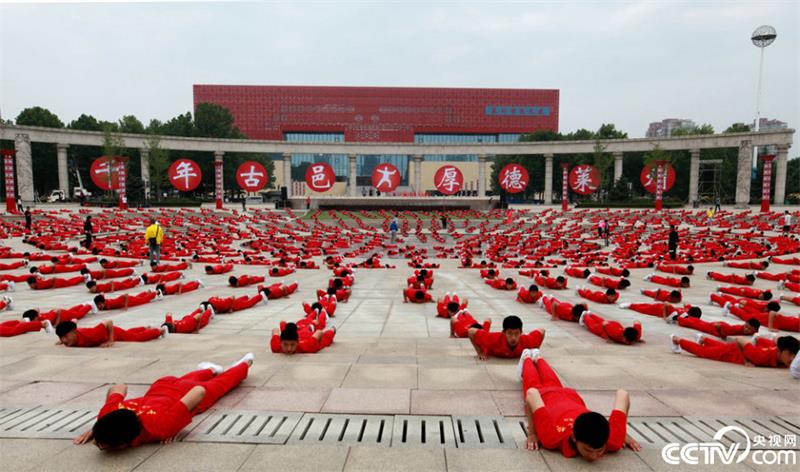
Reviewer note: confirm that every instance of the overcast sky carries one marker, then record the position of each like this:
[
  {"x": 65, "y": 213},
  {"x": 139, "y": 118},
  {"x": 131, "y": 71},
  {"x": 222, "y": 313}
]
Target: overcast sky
[{"x": 619, "y": 62}]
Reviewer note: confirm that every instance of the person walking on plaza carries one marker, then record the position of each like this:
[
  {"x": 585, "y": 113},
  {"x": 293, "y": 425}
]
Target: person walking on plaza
[
  {"x": 606, "y": 230},
  {"x": 716, "y": 205},
  {"x": 393, "y": 227},
  {"x": 154, "y": 236},
  {"x": 28, "y": 218},
  {"x": 673, "y": 242},
  {"x": 87, "y": 231},
  {"x": 787, "y": 221}
]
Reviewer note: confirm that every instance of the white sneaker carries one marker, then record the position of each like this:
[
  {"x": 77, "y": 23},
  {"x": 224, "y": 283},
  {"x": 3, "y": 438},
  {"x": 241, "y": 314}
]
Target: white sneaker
[
  {"x": 247, "y": 358},
  {"x": 210, "y": 365},
  {"x": 540, "y": 301},
  {"x": 535, "y": 354},
  {"x": 676, "y": 348},
  {"x": 672, "y": 318},
  {"x": 648, "y": 277},
  {"x": 11, "y": 285},
  {"x": 164, "y": 332},
  {"x": 580, "y": 320},
  {"x": 625, "y": 305},
  {"x": 699, "y": 337},
  {"x": 526, "y": 353},
  {"x": 782, "y": 284},
  {"x": 641, "y": 290},
  {"x": 48, "y": 327},
  {"x": 755, "y": 339},
  {"x": 264, "y": 298},
  {"x": 159, "y": 294},
  {"x": 94, "y": 306},
  {"x": 9, "y": 303},
  {"x": 726, "y": 309},
  {"x": 202, "y": 285}
]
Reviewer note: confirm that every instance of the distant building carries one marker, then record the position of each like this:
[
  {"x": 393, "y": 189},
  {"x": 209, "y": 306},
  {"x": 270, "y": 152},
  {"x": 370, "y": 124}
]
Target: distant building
[
  {"x": 765, "y": 124},
  {"x": 664, "y": 128}
]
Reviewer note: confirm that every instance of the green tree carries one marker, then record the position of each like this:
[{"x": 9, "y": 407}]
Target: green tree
[
  {"x": 85, "y": 123},
  {"x": 130, "y": 124},
  {"x": 610, "y": 131},
  {"x": 705, "y": 128},
  {"x": 214, "y": 121},
  {"x": 738, "y": 128},
  {"x": 602, "y": 161},
  {"x": 158, "y": 163},
  {"x": 38, "y": 116}
]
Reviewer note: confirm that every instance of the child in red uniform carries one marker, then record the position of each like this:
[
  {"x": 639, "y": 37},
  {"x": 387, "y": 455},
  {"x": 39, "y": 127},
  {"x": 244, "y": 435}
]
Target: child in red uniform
[
  {"x": 760, "y": 353},
  {"x": 166, "y": 408},
  {"x": 462, "y": 322},
  {"x": 748, "y": 292},
  {"x": 449, "y": 305},
  {"x": 508, "y": 343},
  {"x": 191, "y": 323},
  {"x": 615, "y": 271},
  {"x": 160, "y": 278},
  {"x": 231, "y": 304},
  {"x": 16, "y": 327},
  {"x": 563, "y": 310},
  {"x": 675, "y": 269},
  {"x": 611, "y": 330},
  {"x": 218, "y": 269},
  {"x": 606, "y": 282},
  {"x": 558, "y": 283},
  {"x": 327, "y": 304},
  {"x": 661, "y": 310},
  {"x": 559, "y": 419},
  {"x": 168, "y": 267},
  {"x": 106, "y": 264},
  {"x": 103, "y": 334},
  {"x": 101, "y": 302},
  {"x": 732, "y": 278},
  {"x": 280, "y": 271},
  {"x": 500, "y": 284},
  {"x": 415, "y": 295},
  {"x": 58, "y": 315},
  {"x": 113, "y": 285},
  {"x": 304, "y": 339},
  {"x": 108, "y": 273},
  {"x": 720, "y": 329},
  {"x": 682, "y": 282},
  {"x": 669, "y": 296},
  {"x": 38, "y": 283},
  {"x": 279, "y": 290},
  {"x": 529, "y": 295},
  {"x": 790, "y": 299},
  {"x": 609, "y": 296},
  {"x": 244, "y": 280},
  {"x": 178, "y": 287},
  {"x": 577, "y": 272}
]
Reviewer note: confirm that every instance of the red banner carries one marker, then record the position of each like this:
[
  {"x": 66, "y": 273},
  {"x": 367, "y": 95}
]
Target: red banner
[
  {"x": 320, "y": 177},
  {"x": 448, "y": 179},
  {"x": 766, "y": 183},
  {"x": 218, "y": 185},
  {"x": 584, "y": 179},
  {"x": 105, "y": 171},
  {"x": 123, "y": 181},
  {"x": 251, "y": 176},
  {"x": 8, "y": 168},
  {"x": 648, "y": 178},
  {"x": 385, "y": 177},
  {"x": 185, "y": 175},
  {"x": 513, "y": 178},
  {"x": 564, "y": 184}
]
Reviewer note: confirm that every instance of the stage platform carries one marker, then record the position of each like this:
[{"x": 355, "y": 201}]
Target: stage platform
[{"x": 396, "y": 203}]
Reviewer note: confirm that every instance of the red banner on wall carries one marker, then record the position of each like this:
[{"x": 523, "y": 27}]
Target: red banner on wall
[
  {"x": 8, "y": 168},
  {"x": 564, "y": 185},
  {"x": 584, "y": 179},
  {"x": 448, "y": 179},
  {"x": 385, "y": 177},
  {"x": 320, "y": 177},
  {"x": 123, "y": 181},
  {"x": 185, "y": 175},
  {"x": 252, "y": 176},
  {"x": 766, "y": 183},
  {"x": 513, "y": 178}
]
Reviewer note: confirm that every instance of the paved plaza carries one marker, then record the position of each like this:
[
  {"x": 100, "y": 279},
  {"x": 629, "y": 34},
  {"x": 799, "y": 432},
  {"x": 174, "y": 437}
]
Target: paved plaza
[{"x": 390, "y": 359}]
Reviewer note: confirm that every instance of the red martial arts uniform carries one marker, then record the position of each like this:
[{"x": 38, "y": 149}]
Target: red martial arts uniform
[
  {"x": 68, "y": 314},
  {"x": 160, "y": 411},
  {"x": 717, "y": 328},
  {"x": 781, "y": 322},
  {"x": 230, "y": 304},
  {"x": 729, "y": 278},
  {"x": 661, "y": 295},
  {"x": 761, "y": 355},
  {"x": 280, "y": 271},
  {"x": 118, "y": 264},
  {"x": 605, "y": 282},
  {"x": 410, "y": 295},
  {"x": 553, "y": 421},
  {"x": 17, "y": 327},
  {"x": 674, "y": 269},
  {"x": 615, "y": 271},
  {"x": 171, "y": 267},
  {"x": 549, "y": 282},
  {"x": 12, "y": 266},
  {"x": 189, "y": 323},
  {"x": 306, "y": 343},
  {"x": 97, "y": 335},
  {"x": 464, "y": 322},
  {"x": 576, "y": 272},
  {"x": 115, "y": 285},
  {"x": 596, "y": 296},
  {"x": 244, "y": 280},
  {"x": 219, "y": 269},
  {"x": 500, "y": 284},
  {"x": 563, "y": 309},
  {"x": 110, "y": 273},
  {"x": 612, "y": 330},
  {"x": 748, "y": 292},
  {"x": 116, "y": 303},
  {"x": 158, "y": 278},
  {"x": 441, "y": 307},
  {"x": 655, "y": 309},
  {"x": 279, "y": 290},
  {"x": 56, "y": 282},
  {"x": 495, "y": 344},
  {"x": 525, "y": 296},
  {"x": 181, "y": 287},
  {"x": 668, "y": 281}
]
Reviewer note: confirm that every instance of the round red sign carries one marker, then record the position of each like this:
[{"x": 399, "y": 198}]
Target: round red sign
[
  {"x": 385, "y": 177},
  {"x": 185, "y": 175},
  {"x": 513, "y": 178},
  {"x": 105, "y": 172},
  {"x": 448, "y": 180},
  {"x": 584, "y": 179},
  {"x": 252, "y": 176},
  {"x": 320, "y": 177},
  {"x": 648, "y": 177}
]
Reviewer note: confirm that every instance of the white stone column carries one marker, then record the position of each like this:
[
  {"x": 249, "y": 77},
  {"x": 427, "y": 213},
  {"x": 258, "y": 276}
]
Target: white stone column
[
  {"x": 780, "y": 174},
  {"x": 63, "y": 175},
  {"x": 287, "y": 173},
  {"x": 417, "y": 173},
  {"x": 22, "y": 143},
  {"x": 351, "y": 161},
  {"x": 482, "y": 175},
  {"x": 743, "y": 174},
  {"x": 548, "y": 179},
  {"x": 617, "y": 165},
  {"x": 694, "y": 175},
  {"x": 144, "y": 160}
]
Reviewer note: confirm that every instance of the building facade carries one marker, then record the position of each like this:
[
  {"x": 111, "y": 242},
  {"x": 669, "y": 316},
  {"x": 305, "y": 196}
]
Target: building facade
[
  {"x": 664, "y": 128},
  {"x": 382, "y": 114}
]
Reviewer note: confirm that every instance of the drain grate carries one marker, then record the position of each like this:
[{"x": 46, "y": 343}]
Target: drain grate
[
  {"x": 483, "y": 431},
  {"x": 423, "y": 431},
  {"x": 249, "y": 427},
  {"x": 323, "y": 429},
  {"x": 44, "y": 423},
  {"x": 659, "y": 431}
]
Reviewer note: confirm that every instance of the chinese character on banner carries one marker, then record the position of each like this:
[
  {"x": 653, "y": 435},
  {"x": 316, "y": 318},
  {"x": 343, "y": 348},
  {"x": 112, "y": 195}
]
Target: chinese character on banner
[
  {"x": 8, "y": 171},
  {"x": 185, "y": 175},
  {"x": 766, "y": 182},
  {"x": 584, "y": 179},
  {"x": 320, "y": 177},
  {"x": 513, "y": 178},
  {"x": 252, "y": 176},
  {"x": 649, "y": 176},
  {"x": 448, "y": 180},
  {"x": 105, "y": 172},
  {"x": 119, "y": 163},
  {"x": 385, "y": 177}
]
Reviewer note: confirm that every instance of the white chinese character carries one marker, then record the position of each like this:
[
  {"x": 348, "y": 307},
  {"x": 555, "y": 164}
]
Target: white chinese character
[
  {"x": 252, "y": 178},
  {"x": 759, "y": 441},
  {"x": 385, "y": 174},
  {"x": 790, "y": 440},
  {"x": 775, "y": 440},
  {"x": 583, "y": 180},
  {"x": 103, "y": 168},
  {"x": 184, "y": 171},
  {"x": 448, "y": 180},
  {"x": 318, "y": 177},
  {"x": 513, "y": 180}
]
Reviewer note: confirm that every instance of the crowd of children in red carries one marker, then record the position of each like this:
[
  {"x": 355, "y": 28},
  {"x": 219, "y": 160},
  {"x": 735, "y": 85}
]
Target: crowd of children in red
[{"x": 548, "y": 247}]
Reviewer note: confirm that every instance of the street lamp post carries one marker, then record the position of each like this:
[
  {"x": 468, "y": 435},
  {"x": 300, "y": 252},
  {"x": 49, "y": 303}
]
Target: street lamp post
[{"x": 762, "y": 37}]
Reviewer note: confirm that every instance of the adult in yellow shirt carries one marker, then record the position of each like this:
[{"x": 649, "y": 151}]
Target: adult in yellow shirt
[{"x": 154, "y": 236}]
